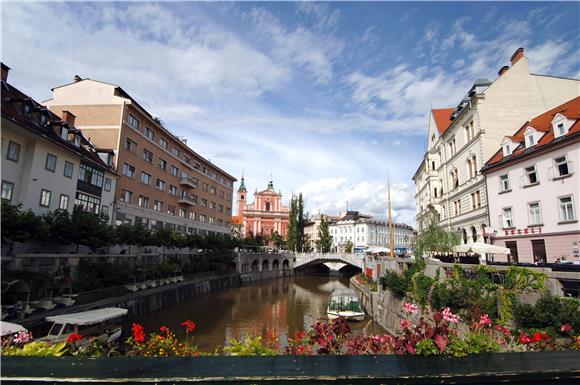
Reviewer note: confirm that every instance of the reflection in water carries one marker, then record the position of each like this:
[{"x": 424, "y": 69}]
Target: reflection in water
[{"x": 284, "y": 306}]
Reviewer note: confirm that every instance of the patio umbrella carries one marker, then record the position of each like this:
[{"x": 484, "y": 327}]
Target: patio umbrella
[{"x": 481, "y": 248}]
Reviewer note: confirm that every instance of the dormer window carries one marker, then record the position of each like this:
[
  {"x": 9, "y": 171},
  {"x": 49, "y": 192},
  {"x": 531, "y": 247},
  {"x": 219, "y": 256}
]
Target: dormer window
[
  {"x": 77, "y": 140},
  {"x": 530, "y": 140},
  {"x": 26, "y": 110},
  {"x": 561, "y": 130},
  {"x": 42, "y": 119},
  {"x": 64, "y": 133},
  {"x": 561, "y": 125},
  {"x": 506, "y": 149}
]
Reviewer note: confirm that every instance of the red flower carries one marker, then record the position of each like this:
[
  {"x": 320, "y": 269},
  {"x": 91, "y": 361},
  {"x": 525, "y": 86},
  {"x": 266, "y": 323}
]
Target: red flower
[
  {"x": 271, "y": 334},
  {"x": 164, "y": 329},
  {"x": 189, "y": 325},
  {"x": 537, "y": 337},
  {"x": 524, "y": 339},
  {"x": 138, "y": 334},
  {"x": 74, "y": 337}
]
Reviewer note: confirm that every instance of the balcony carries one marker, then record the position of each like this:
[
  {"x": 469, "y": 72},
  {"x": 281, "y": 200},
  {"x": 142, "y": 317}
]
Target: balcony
[
  {"x": 187, "y": 181},
  {"x": 186, "y": 200}
]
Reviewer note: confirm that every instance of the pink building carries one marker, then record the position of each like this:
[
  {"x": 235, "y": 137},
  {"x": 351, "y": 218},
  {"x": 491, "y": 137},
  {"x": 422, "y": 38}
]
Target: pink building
[
  {"x": 534, "y": 190},
  {"x": 266, "y": 215}
]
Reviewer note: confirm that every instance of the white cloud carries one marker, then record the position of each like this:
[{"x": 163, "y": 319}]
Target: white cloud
[{"x": 546, "y": 56}]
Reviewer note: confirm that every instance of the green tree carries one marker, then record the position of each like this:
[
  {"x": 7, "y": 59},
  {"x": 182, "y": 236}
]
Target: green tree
[
  {"x": 325, "y": 239},
  {"x": 434, "y": 238},
  {"x": 296, "y": 222},
  {"x": 59, "y": 227},
  {"x": 21, "y": 226},
  {"x": 90, "y": 229},
  {"x": 348, "y": 247},
  {"x": 278, "y": 240},
  {"x": 162, "y": 236}
]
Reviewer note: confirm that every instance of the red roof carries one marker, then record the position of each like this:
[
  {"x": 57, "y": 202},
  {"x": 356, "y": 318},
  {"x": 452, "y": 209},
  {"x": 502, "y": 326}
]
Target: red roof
[
  {"x": 442, "y": 120},
  {"x": 542, "y": 123}
]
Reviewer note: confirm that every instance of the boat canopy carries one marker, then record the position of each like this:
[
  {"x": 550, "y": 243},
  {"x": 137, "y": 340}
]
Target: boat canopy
[
  {"x": 7, "y": 328},
  {"x": 89, "y": 317}
]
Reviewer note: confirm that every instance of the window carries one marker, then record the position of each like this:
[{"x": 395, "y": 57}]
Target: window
[
  {"x": 203, "y": 202},
  {"x": 267, "y": 206},
  {"x": 530, "y": 141},
  {"x": 192, "y": 215},
  {"x": 42, "y": 119},
  {"x": 173, "y": 190},
  {"x": 162, "y": 164},
  {"x": 13, "y": 151},
  {"x": 126, "y": 196},
  {"x": 182, "y": 213},
  {"x": 475, "y": 200},
  {"x": 531, "y": 175},
  {"x": 457, "y": 207},
  {"x": 566, "y": 209},
  {"x": 26, "y": 110},
  {"x": 133, "y": 122},
  {"x": 143, "y": 201},
  {"x": 147, "y": 156},
  {"x": 128, "y": 170},
  {"x": 535, "y": 217},
  {"x": 513, "y": 246},
  {"x": 91, "y": 176},
  {"x": 68, "y": 169},
  {"x": 175, "y": 151},
  {"x": 506, "y": 149},
  {"x": 196, "y": 165},
  {"x": 63, "y": 205},
  {"x": 105, "y": 210},
  {"x": 213, "y": 190},
  {"x": 158, "y": 206},
  {"x": 50, "y": 162},
  {"x": 149, "y": 133},
  {"x": 452, "y": 147},
  {"x": 507, "y": 217},
  {"x": 171, "y": 209},
  {"x": 7, "y": 189},
  {"x": 187, "y": 159},
  {"x": 472, "y": 167},
  {"x": 174, "y": 171},
  {"x": 454, "y": 179},
  {"x": 561, "y": 130},
  {"x": 108, "y": 184},
  {"x": 130, "y": 145},
  {"x": 469, "y": 131},
  {"x": 163, "y": 143},
  {"x": 563, "y": 167},
  {"x": 88, "y": 203},
  {"x": 77, "y": 140},
  {"x": 160, "y": 184},
  {"x": 202, "y": 218},
  {"x": 145, "y": 178},
  {"x": 64, "y": 133},
  {"x": 45, "y": 198},
  {"x": 504, "y": 183}
]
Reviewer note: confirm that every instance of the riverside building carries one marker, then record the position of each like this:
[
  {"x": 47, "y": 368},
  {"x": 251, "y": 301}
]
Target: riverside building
[
  {"x": 534, "y": 188},
  {"x": 163, "y": 182},
  {"x": 47, "y": 162},
  {"x": 449, "y": 186}
]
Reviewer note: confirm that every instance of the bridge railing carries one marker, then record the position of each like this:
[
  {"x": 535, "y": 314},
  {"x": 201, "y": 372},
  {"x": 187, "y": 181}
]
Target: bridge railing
[{"x": 304, "y": 258}]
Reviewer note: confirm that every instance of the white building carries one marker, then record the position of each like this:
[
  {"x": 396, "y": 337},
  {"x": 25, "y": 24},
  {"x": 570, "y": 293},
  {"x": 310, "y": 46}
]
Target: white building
[
  {"x": 312, "y": 229},
  {"x": 449, "y": 186},
  {"x": 534, "y": 188},
  {"x": 365, "y": 232},
  {"x": 48, "y": 164}
]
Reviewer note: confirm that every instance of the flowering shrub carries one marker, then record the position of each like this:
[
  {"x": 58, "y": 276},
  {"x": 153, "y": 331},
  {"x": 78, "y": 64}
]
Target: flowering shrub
[
  {"x": 299, "y": 345},
  {"x": 161, "y": 344}
]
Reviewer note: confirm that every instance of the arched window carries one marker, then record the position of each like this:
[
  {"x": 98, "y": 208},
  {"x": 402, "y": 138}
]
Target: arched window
[
  {"x": 464, "y": 233},
  {"x": 242, "y": 196},
  {"x": 454, "y": 178},
  {"x": 474, "y": 233},
  {"x": 267, "y": 206}
]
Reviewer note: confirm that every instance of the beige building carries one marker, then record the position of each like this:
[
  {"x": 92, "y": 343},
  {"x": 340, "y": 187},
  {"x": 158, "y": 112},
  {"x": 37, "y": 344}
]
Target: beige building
[
  {"x": 448, "y": 182},
  {"x": 312, "y": 229},
  {"x": 47, "y": 163},
  {"x": 163, "y": 182}
]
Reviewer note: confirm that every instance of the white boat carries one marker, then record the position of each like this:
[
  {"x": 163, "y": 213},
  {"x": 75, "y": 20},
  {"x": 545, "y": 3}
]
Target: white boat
[
  {"x": 8, "y": 328},
  {"x": 344, "y": 303},
  {"x": 93, "y": 323},
  {"x": 66, "y": 299}
]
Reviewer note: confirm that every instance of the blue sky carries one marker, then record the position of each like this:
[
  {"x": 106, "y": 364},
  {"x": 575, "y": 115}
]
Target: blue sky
[{"x": 328, "y": 97}]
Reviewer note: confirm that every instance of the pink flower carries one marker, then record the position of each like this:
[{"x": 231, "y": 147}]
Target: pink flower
[
  {"x": 566, "y": 328},
  {"x": 410, "y": 308},
  {"x": 23, "y": 337},
  {"x": 405, "y": 324},
  {"x": 484, "y": 320},
  {"x": 449, "y": 316}
]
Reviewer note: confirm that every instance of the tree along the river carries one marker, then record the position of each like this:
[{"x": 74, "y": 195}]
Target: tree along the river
[
  {"x": 325, "y": 239},
  {"x": 296, "y": 223},
  {"x": 21, "y": 225},
  {"x": 348, "y": 247},
  {"x": 434, "y": 238}
]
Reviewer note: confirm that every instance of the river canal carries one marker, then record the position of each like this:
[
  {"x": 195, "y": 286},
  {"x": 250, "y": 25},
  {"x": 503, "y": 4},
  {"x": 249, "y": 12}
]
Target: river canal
[{"x": 282, "y": 305}]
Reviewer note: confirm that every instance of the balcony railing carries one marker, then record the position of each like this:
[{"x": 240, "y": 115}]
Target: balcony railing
[
  {"x": 184, "y": 199},
  {"x": 188, "y": 181}
]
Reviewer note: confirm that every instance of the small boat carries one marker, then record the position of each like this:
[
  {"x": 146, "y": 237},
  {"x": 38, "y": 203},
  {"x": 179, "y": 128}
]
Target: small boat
[
  {"x": 8, "y": 328},
  {"x": 66, "y": 299},
  {"x": 93, "y": 323},
  {"x": 344, "y": 303}
]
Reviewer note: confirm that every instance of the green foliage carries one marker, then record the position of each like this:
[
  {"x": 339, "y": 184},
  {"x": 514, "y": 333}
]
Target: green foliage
[
  {"x": 399, "y": 284},
  {"x": 90, "y": 229},
  {"x": 94, "y": 275},
  {"x": 426, "y": 347},
  {"x": 278, "y": 240},
  {"x": 434, "y": 238},
  {"x": 548, "y": 312},
  {"x": 348, "y": 247},
  {"x": 522, "y": 279},
  {"x": 296, "y": 222},
  {"x": 481, "y": 343},
  {"x": 250, "y": 346},
  {"x": 457, "y": 347},
  {"x": 325, "y": 239},
  {"x": 37, "y": 348},
  {"x": 21, "y": 225},
  {"x": 421, "y": 288}
]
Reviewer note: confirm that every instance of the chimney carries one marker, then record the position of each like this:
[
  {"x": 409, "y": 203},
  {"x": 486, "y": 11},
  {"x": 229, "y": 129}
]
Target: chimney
[
  {"x": 69, "y": 117},
  {"x": 5, "y": 70},
  {"x": 77, "y": 78},
  {"x": 517, "y": 55},
  {"x": 503, "y": 70}
]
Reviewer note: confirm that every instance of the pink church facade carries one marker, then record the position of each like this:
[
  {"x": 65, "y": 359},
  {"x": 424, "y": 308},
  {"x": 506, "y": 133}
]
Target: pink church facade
[{"x": 266, "y": 215}]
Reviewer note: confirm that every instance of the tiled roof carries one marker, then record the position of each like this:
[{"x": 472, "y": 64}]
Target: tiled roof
[
  {"x": 542, "y": 123},
  {"x": 442, "y": 120},
  {"x": 12, "y": 109}
]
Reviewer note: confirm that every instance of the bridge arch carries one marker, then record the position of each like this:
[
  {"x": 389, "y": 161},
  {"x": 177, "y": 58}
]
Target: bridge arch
[
  {"x": 255, "y": 265},
  {"x": 285, "y": 264},
  {"x": 276, "y": 265},
  {"x": 265, "y": 265}
]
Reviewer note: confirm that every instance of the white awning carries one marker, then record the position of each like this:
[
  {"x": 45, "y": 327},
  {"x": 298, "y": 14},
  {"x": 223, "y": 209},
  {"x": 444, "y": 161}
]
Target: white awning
[
  {"x": 7, "y": 328},
  {"x": 89, "y": 317},
  {"x": 481, "y": 248},
  {"x": 376, "y": 250}
]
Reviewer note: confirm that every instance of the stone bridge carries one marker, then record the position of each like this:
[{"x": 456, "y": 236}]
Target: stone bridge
[
  {"x": 304, "y": 259},
  {"x": 249, "y": 262}
]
